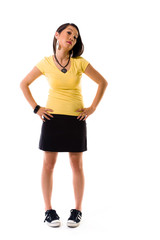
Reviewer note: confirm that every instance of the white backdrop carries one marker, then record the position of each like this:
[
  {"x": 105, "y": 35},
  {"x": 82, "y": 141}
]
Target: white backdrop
[{"x": 121, "y": 166}]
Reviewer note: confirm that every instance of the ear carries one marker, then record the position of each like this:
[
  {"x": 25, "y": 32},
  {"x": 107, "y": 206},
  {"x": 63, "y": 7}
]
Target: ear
[{"x": 56, "y": 35}]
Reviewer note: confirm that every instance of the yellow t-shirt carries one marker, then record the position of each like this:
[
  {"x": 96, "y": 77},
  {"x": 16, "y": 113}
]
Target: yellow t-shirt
[{"x": 65, "y": 95}]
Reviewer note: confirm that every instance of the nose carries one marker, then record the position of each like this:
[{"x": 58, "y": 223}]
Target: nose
[{"x": 71, "y": 38}]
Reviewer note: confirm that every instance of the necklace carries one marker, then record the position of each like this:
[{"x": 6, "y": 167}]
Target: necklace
[{"x": 64, "y": 70}]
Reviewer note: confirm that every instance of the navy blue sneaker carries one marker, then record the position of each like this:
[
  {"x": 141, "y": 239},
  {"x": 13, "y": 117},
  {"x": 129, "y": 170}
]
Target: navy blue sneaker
[
  {"x": 52, "y": 219},
  {"x": 75, "y": 218}
]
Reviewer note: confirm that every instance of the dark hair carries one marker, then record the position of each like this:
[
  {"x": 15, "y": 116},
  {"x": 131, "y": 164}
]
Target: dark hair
[{"x": 78, "y": 47}]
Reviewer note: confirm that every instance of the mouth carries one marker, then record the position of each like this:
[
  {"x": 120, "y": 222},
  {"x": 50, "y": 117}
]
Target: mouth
[{"x": 69, "y": 42}]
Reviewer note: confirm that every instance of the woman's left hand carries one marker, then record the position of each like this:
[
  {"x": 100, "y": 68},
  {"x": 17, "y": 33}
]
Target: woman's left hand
[{"x": 85, "y": 112}]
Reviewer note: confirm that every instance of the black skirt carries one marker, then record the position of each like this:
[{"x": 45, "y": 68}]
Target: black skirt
[{"x": 63, "y": 133}]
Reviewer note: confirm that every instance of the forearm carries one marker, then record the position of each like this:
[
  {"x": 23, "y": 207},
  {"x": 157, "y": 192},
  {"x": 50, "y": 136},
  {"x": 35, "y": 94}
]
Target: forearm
[
  {"x": 27, "y": 93},
  {"x": 100, "y": 91}
]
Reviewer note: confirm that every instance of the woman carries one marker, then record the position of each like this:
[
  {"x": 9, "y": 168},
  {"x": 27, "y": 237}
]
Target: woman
[{"x": 64, "y": 117}]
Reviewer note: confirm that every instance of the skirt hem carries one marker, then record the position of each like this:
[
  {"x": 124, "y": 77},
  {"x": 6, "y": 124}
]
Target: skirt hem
[{"x": 52, "y": 150}]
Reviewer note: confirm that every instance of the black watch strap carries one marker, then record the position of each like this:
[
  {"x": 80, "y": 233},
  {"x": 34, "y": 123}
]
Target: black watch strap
[{"x": 36, "y": 109}]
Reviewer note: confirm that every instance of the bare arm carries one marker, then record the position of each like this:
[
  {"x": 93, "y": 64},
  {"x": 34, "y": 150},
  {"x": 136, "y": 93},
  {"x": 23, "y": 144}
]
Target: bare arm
[
  {"x": 93, "y": 74},
  {"x": 24, "y": 85}
]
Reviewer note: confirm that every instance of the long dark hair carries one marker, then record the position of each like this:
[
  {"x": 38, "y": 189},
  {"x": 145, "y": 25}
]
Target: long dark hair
[{"x": 78, "y": 47}]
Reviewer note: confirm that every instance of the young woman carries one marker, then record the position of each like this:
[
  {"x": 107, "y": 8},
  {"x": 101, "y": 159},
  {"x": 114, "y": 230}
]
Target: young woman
[{"x": 64, "y": 117}]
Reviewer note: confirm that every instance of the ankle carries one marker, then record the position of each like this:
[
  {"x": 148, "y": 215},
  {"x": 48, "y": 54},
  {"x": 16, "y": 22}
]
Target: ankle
[
  {"x": 79, "y": 208},
  {"x": 48, "y": 208}
]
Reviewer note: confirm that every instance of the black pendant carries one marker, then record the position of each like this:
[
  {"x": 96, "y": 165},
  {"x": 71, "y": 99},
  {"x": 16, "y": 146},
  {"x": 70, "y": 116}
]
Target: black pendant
[{"x": 63, "y": 70}]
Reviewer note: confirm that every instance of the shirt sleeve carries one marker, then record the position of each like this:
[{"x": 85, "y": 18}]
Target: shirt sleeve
[
  {"x": 41, "y": 65},
  {"x": 84, "y": 64}
]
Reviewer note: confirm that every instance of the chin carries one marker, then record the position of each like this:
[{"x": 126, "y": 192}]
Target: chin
[{"x": 67, "y": 47}]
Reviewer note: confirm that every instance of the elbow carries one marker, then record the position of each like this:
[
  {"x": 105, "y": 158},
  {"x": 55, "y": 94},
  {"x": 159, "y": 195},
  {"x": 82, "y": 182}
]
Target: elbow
[
  {"x": 22, "y": 85},
  {"x": 104, "y": 83}
]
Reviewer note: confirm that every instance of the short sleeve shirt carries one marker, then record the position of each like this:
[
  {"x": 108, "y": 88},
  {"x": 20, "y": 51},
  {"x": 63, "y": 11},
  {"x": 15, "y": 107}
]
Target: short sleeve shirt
[{"x": 65, "y": 93}]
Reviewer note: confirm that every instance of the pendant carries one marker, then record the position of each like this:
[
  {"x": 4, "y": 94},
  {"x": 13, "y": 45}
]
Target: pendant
[{"x": 63, "y": 70}]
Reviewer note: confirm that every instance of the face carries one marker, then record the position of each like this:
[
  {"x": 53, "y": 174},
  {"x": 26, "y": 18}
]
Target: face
[{"x": 67, "y": 38}]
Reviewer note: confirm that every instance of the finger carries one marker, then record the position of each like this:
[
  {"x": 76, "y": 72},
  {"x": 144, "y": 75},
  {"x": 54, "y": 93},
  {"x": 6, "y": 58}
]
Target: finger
[
  {"x": 82, "y": 117},
  {"x": 80, "y": 110},
  {"x": 85, "y": 117},
  {"x": 45, "y": 115},
  {"x": 48, "y": 109},
  {"x": 49, "y": 115},
  {"x": 83, "y": 114},
  {"x": 79, "y": 116},
  {"x": 42, "y": 119}
]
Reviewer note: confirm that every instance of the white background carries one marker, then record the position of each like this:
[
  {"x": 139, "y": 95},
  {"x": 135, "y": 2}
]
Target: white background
[{"x": 121, "y": 166}]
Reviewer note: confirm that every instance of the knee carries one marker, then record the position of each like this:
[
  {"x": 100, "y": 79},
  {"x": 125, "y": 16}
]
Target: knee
[
  {"x": 76, "y": 163},
  {"x": 49, "y": 164}
]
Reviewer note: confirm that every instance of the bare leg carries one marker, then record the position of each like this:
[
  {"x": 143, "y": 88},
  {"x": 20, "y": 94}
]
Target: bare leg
[
  {"x": 47, "y": 177},
  {"x": 78, "y": 177}
]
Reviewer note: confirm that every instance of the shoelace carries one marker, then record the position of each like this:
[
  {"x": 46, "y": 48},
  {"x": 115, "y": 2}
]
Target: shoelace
[
  {"x": 51, "y": 214},
  {"x": 74, "y": 214}
]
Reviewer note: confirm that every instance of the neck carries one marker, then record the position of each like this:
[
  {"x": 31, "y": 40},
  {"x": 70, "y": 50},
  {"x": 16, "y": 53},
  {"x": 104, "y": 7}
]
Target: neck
[{"x": 62, "y": 55}]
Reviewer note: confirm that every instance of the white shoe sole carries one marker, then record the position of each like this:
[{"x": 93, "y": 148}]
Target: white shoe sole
[
  {"x": 55, "y": 223},
  {"x": 72, "y": 224}
]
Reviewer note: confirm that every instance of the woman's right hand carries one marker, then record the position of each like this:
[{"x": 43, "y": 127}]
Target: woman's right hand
[{"x": 42, "y": 112}]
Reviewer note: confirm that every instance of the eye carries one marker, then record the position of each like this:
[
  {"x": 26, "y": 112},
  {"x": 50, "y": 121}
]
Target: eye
[{"x": 70, "y": 33}]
